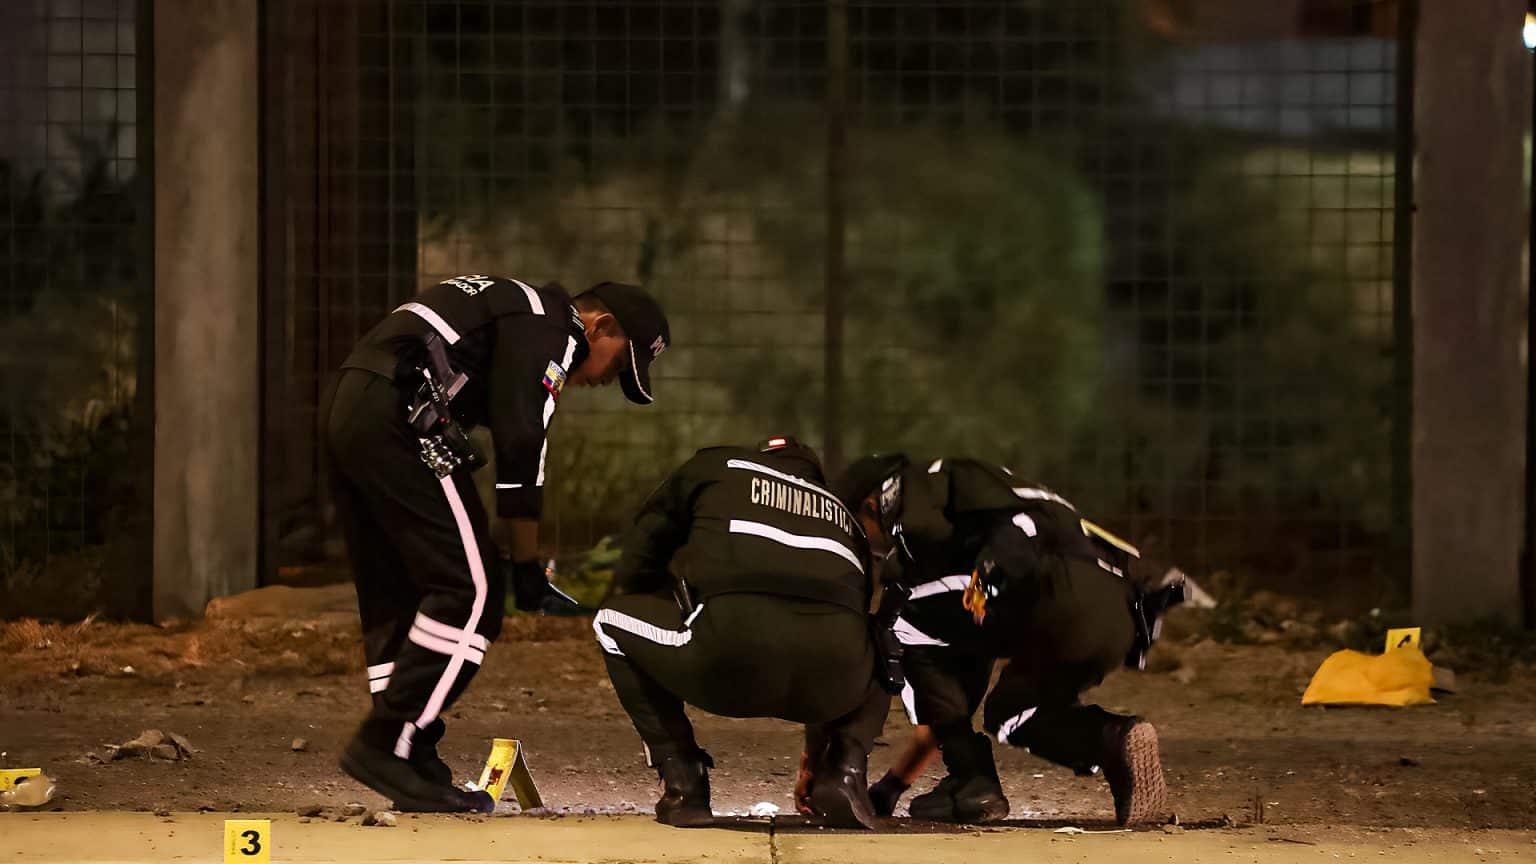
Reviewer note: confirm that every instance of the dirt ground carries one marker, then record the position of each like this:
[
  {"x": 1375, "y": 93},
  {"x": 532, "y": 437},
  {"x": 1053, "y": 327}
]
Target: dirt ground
[{"x": 285, "y": 663}]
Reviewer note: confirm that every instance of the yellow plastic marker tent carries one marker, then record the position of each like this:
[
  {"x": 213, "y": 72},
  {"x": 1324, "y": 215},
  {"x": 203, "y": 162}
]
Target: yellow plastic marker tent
[{"x": 508, "y": 765}]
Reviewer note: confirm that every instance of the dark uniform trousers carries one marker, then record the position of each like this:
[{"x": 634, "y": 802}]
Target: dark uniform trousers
[
  {"x": 740, "y": 655},
  {"x": 1061, "y": 636},
  {"x": 428, "y": 586}
]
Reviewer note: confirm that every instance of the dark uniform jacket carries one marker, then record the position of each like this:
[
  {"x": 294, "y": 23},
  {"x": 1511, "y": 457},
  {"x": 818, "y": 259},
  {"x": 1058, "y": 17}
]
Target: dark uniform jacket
[
  {"x": 516, "y": 343},
  {"x": 960, "y": 515},
  {"x": 735, "y": 520},
  {"x": 950, "y": 507}
]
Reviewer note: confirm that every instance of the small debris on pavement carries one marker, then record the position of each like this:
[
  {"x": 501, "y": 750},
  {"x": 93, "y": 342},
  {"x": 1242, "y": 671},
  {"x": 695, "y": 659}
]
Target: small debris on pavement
[
  {"x": 1173, "y": 829},
  {"x": 764, "y": 808},
  {"x": 379, "y": 818},
  {"x": 300, "y": 745},
  {"x": 182, "y": 744},
  {"x": 154, "y": 744},
  {"x": 353, "y": 809},
  {"x": 311, "y": 810},
  {"x": 162, "y": 812}
]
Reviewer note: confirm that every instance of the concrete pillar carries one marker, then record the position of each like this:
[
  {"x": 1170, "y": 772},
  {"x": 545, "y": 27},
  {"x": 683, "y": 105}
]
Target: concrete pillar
[
  {"x": 206, "y": 325},
  {"x": 1472, "y": 109}
]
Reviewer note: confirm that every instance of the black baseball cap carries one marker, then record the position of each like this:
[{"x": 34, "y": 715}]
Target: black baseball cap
[
  {"x": 645, "y": 325},
  {"x": 864, "y": 477},
  {"x": 788, "y": 445}
]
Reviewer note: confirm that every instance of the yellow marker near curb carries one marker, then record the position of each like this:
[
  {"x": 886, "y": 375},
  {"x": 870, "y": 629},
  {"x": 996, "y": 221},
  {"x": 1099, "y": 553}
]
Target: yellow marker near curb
[
  {"x": 508, "y": 763},
  {"x": 247, "y": 841},
  {"x": 9, "y": 776},
  {"x": 1403, "y": 637}
]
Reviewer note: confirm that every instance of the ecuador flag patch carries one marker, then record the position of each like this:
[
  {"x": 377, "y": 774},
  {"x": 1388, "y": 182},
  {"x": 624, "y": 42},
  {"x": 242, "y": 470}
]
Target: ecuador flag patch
[{"x": 554, "y": 379}]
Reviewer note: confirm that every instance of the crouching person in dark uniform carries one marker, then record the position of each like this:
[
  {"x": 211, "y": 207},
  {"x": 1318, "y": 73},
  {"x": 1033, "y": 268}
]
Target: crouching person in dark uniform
[
  {"x": 996, "y": 568},
  {"x": 764, "y": 614},
  {"x": 431, "y": 586}
]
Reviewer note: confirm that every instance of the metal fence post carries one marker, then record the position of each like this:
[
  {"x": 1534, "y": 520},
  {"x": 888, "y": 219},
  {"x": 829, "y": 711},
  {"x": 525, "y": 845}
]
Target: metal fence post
[
  {"x": 1402, "y": 301},
  {"x": 836, "y": 265}
]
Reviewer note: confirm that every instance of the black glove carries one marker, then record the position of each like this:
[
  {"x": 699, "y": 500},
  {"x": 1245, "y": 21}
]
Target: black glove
[
  {"x": 888, "y": 653},
  {"x": 888, "y": 649},
  {"x": 1147, "y": 611},
  {"x": 531, "y": 592}
]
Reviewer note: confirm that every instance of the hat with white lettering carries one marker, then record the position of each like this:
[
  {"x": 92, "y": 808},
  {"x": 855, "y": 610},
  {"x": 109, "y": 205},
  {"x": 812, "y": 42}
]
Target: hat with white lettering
[{"x": 645, "y": 325}]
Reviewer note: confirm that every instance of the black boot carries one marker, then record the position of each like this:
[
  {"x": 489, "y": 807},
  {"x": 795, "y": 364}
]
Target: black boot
[
  {"x": 980, "y": 798},
  {"x": 1090, "y": 740},
  {"x": 399, "y": 780},
  {"x": 971, "y": 794},
  {"x": 886, "y": 793},
  {"x": 424, "y": 754},
  {"x": 938, "y": 803},
  {"x": 684, "y": 799},
  {"x": 839, "y": 790},
  {"x": 1134, "y": 769}
]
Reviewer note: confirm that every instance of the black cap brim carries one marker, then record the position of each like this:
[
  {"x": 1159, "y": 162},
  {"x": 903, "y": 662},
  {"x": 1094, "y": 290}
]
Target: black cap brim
[
  {"x": 863, "y": 477},
  {"x": 645, "y": 328},
  {"x": 635, "y": 380}
]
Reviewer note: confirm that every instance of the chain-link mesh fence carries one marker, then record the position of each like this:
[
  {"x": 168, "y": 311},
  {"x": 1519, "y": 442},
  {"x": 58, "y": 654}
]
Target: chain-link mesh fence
[
  {"x": 71, "y": 244},
  {"x": 1141, "y": 250}
]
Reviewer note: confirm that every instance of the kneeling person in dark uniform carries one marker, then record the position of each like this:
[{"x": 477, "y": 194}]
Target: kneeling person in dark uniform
[
  {"x": 766, "y": 616},
  {"x": 996, "y": 568}
]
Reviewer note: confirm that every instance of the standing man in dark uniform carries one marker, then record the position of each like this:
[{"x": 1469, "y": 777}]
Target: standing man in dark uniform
[
  {"x": 743, "y": 590},
  {"x": 430, "y": 582},
  {"x": 992, "y": 567}
]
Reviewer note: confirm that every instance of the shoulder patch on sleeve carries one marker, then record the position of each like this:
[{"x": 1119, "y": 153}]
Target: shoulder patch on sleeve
[{"x": 554, "y": 379}]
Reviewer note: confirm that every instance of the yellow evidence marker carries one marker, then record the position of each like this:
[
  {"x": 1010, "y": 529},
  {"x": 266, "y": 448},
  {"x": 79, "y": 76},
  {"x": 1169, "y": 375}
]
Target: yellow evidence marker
[
  {"x": 1403, "y": 637},
  {"x": 508, "y": 764},
  {"x": 247, "y": 841},
  {"x": 9, "y": 776}
]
